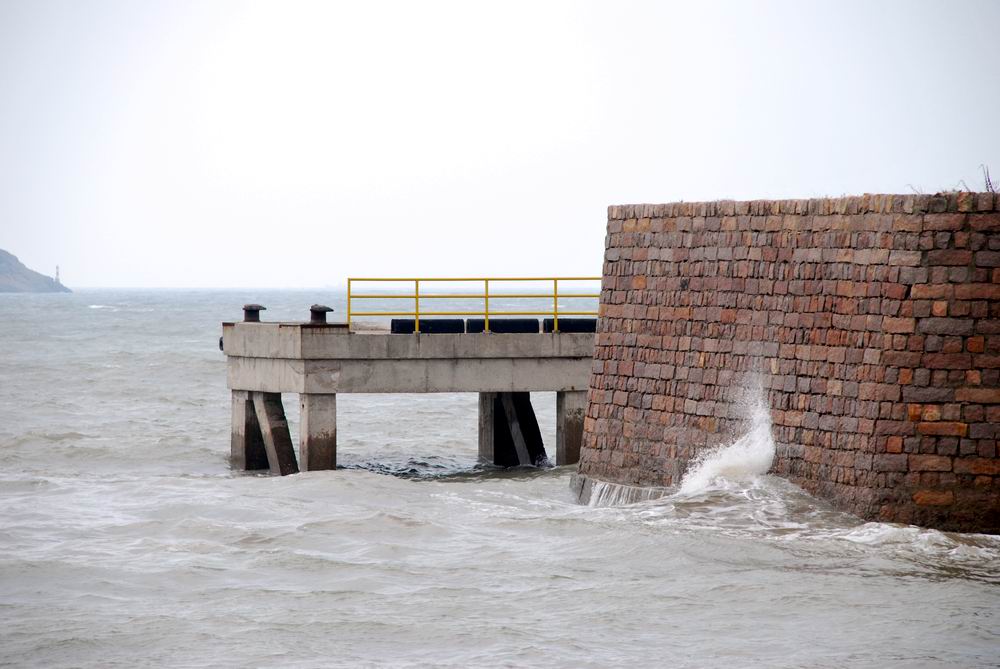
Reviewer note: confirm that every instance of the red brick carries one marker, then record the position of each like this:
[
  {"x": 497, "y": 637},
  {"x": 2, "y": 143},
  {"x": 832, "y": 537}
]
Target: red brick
[
  {"x": 949, "y": 257},
  {"x": 934, "y": 497},
  {"x": 947, "y": 360},
  {"x": 908, "y": 258},
  {"x": 898, "y": 325},
  {"x": 987, "y": 258},
  {"x": 977, "y": 291},
  {"x": 944, "y": 221},
  {"x": 966, "y": 201},
  {"x": 948, "y": 429},
  {"x": 931, "y": 291},
  {"x": 902, "y": 358},
  {"x": 946, "y": 326},
  {"x": 985, "y": 222},
  {"x": 978, "y": 395},
  {"x": 894, "y": 291},
  {"x": 986, "y": 361},
  {"x": 890, "y": 462},
  {"x": 929, "y": 463},
  {"x": 986, "y": 466},
  {"x": 930, "y": 412}
]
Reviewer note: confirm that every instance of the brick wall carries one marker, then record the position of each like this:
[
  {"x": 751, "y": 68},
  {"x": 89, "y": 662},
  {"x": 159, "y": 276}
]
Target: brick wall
[{"x": 873, "y": 323}]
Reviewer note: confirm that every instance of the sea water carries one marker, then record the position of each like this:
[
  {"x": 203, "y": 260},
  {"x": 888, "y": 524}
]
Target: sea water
[{"x": 127, "y": 541}]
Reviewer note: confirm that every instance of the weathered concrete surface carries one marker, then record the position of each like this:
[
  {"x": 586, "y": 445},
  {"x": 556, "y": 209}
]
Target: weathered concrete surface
[
  {"x": 409, "y": 376},
  {"x": 595, "y": 492},
  {"x": 523, "y": 428},
  {"x": 317, "y": 432},
  {"x": 298, "y": 358},
  {"x": 488, "y": 429},
  {"x": 508, "y": 430},
  {"x": 274, "y": 429},
  {"x": 571, "y": 409},
  {"x": 247, "y": 444},
  {"x": 333, "y": 341}
]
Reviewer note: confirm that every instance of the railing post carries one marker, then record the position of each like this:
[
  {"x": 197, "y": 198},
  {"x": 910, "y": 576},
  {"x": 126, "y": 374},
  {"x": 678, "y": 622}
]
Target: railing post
[
  {"x": 555, "y": 305},
  {"x": 416, "y": 306},
  {"x": 348, "y": 304},
  {"x": 486, "y": 313}
]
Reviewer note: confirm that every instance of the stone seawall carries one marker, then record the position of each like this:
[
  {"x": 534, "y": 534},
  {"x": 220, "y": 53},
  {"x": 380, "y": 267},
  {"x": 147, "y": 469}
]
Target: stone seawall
[{"x": 872, "y": 324}]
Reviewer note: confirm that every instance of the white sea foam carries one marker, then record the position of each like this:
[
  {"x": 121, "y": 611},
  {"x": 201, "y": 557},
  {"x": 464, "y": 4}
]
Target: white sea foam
[{"x": 743, "y": 460}]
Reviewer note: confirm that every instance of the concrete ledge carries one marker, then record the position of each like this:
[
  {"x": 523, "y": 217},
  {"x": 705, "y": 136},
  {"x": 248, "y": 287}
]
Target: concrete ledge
[
  {"x": 292, "y": 357},
  {"x": 277, "y": 375},
  {"x": 594, "y": 492},
  {"x": 302, "y": 341}
]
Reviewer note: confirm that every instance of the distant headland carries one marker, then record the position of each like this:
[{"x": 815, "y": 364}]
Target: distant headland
[{"x": 16, "y": 278}]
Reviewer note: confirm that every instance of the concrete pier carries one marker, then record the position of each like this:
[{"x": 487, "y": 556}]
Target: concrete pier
[
  {"x": 489, "y": 415},
  {"x": 248, "y": 452},
  {"x": 508, "y": 431},
  {"x": 274, "y": 430},
  {"x": 318, "y": 431},
  {"x": 319, "y": 360},
  {"x": 571, "y": 408}
]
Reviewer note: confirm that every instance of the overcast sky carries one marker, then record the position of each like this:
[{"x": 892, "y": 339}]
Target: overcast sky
[{"x": 280, "y": 144}]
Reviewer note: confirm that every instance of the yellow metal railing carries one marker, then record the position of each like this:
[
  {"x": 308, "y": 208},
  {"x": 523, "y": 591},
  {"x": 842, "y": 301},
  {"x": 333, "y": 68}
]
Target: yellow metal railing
[{"x": 485, "y": 296}]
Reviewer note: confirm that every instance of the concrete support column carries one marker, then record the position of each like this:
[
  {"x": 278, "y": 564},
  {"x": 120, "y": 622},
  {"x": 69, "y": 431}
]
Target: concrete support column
[
  {"x": 522, "y": 428},
  {"x": 571, "y": 408},
  {"x": 274, "y": 429},
  {"x": 247, "y": 451},
  {"x": 487, "y": 431},
  {"x": 318, "y": 432},
  {"x": 508, "y": 431}
]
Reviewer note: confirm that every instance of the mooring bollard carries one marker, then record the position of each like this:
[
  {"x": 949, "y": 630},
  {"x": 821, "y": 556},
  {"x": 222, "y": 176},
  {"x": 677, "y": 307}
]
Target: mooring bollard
[
  {"x": 318, "y": 312},
  {"x": 251, "y": 312}
]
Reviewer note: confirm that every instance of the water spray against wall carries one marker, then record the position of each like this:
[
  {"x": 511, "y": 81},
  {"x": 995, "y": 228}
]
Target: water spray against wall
[{"x": 746, "y": 458}]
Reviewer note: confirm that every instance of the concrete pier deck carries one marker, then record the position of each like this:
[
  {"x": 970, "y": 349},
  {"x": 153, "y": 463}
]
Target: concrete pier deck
[{"x": 319, "y": 361}]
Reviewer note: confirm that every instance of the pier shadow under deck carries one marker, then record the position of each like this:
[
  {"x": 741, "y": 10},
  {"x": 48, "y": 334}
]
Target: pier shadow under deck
[{"x": 319, "y": 361}]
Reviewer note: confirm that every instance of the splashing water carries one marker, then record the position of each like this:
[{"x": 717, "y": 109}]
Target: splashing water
[{"x": 745, "y": 459}]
